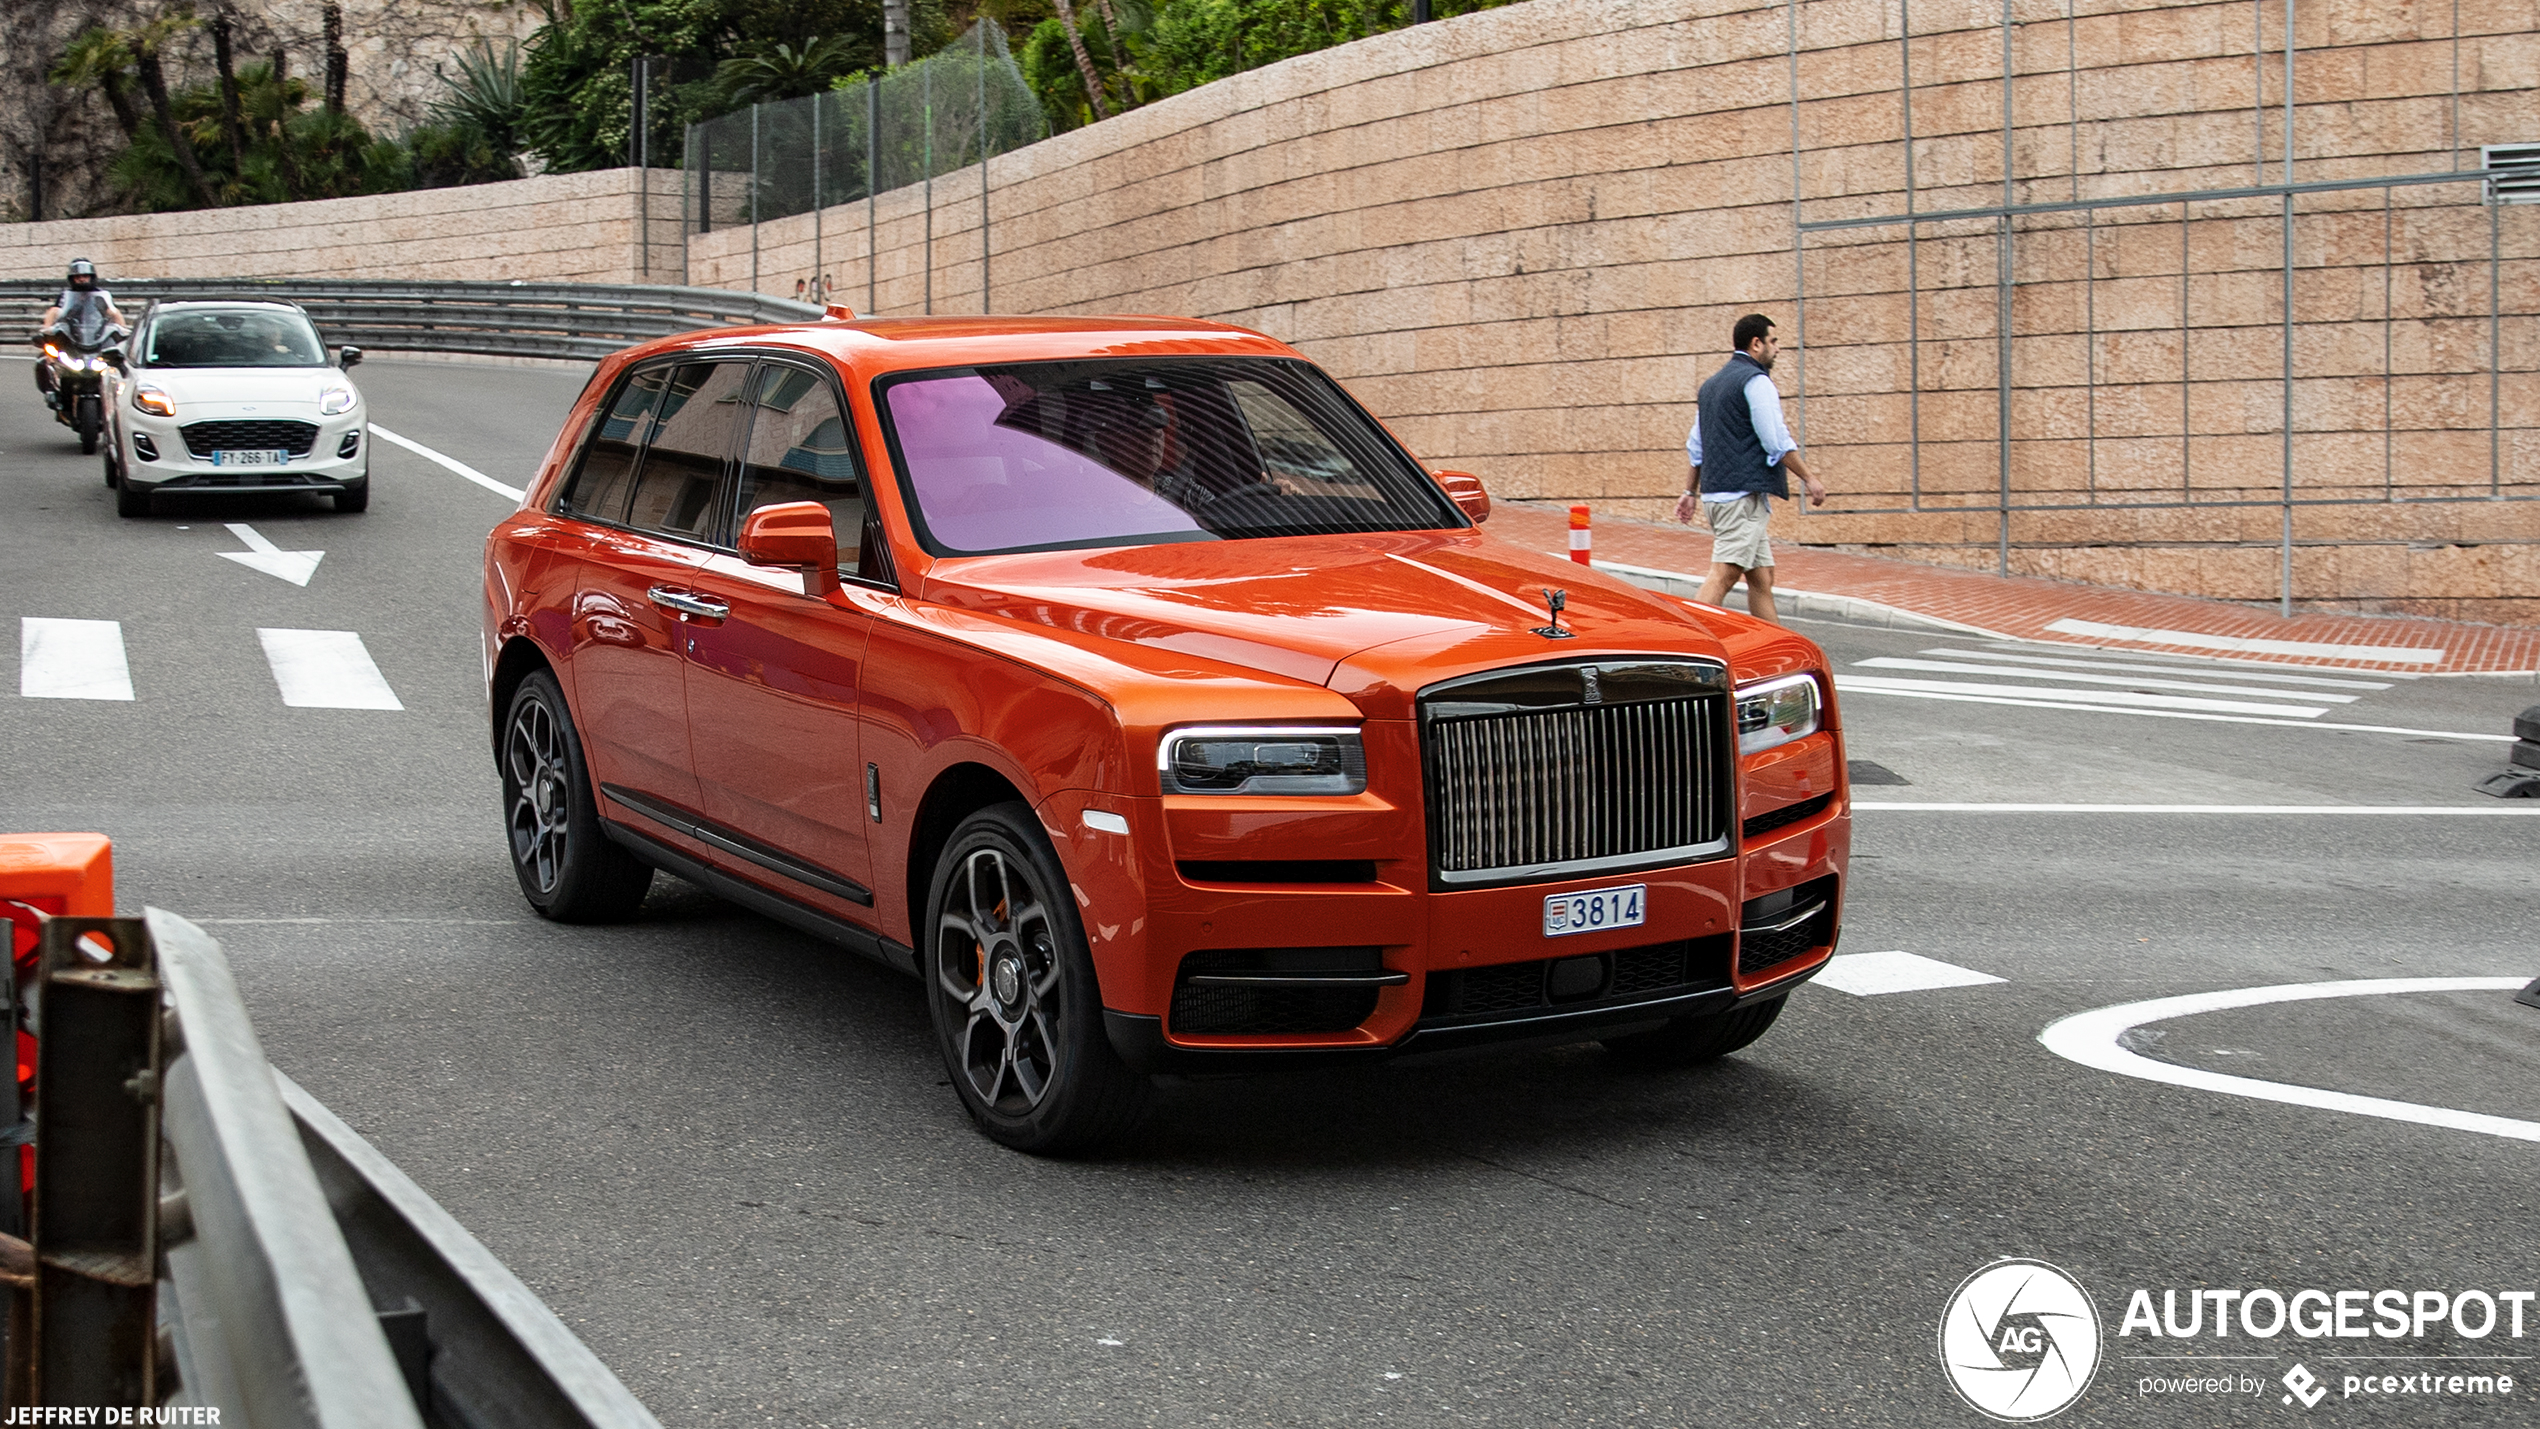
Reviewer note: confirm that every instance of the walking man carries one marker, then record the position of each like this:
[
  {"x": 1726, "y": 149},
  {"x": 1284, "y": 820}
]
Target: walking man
[{"x": 1740, "y": 450}]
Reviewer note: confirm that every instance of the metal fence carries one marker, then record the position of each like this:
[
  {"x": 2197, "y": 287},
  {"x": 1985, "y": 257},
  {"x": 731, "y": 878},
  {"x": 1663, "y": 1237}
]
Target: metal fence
[
  {"x": 568, "y": 320},
  {"x": 2015, "y": 337},
  {"x": 950, "y": 111},
  {"x": 206, "y": 1235}
]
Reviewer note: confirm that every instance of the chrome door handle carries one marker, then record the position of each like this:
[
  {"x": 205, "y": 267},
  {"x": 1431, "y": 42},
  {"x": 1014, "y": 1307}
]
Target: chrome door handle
[{"x": 686, "y": 604}]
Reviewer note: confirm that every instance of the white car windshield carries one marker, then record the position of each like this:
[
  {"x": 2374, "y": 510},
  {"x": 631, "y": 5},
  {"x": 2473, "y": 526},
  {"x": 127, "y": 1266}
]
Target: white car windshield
[{"x": 234, "y": 338}]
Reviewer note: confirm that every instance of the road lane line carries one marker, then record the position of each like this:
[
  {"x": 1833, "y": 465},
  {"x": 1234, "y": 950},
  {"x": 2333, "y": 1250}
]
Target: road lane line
[
  {"x": 326, "y": 670},
  {"x": 2132, "y": 682},
  {"x": 1879, "y": 684},
  {"x": 1843, "y": 686},
  {"x": 2316, "y": 649},
  {"x": 452, "y": 463},
  {"x": 2476, "y": 811},
  {"x": 2090, "y": 1038},
  {"x": 72, "y": 660},
  {"x": 1877, "y": 974}
]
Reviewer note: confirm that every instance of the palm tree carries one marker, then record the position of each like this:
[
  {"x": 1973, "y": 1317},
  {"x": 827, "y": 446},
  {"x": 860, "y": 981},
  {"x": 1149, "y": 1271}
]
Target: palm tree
[
  {"x": 146, "y": 43},
  {"x": 1084, "y": 61},
  {"x": 101, "y": 58}
]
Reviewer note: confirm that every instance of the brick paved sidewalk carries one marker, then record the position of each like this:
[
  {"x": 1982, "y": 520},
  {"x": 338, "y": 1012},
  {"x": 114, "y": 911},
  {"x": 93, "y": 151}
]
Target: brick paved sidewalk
[{"x": 1831, "y": 583}]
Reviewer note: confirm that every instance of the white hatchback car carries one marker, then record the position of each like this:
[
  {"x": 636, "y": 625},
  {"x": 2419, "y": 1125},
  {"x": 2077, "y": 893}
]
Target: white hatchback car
[{"x": 234, "y": 396}]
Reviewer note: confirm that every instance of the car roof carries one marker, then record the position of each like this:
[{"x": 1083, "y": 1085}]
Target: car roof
[
  {"x": 877, "y": 345},
  {"x": 163, "y": 304}
]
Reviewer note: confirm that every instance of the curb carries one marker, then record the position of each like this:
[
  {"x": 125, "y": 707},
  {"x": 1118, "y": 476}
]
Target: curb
[{"x": 1822, "y": 605}]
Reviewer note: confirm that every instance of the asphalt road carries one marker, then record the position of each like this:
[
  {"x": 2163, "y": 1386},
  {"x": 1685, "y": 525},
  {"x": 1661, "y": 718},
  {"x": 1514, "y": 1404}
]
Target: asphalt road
[{"x": 727, "y": 1156}]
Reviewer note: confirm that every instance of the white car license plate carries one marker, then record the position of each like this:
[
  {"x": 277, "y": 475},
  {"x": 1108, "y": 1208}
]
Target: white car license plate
[
  {"x": 266, "y": 458},
  {"x": 1595, "y": 910}
]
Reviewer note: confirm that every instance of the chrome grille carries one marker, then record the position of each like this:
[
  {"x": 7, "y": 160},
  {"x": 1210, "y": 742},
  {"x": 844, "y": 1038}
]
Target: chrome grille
[{"x": 1559, "y": 770}]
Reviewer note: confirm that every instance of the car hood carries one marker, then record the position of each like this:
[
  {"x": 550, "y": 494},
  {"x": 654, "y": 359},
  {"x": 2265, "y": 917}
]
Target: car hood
[
  {"x": 1302, "y": 606},
  {"x": 285, "y": 390}
]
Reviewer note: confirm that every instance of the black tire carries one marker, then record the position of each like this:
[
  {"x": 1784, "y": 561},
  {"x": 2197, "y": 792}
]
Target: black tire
[
  {"x": 112, "y": 476},
  {"x": 1690, "y": 1040},
  {"x": 1011, "y": 990},
  {"x": 567, "y": 866},
  {"x": 354, "y": 498},
  {"x": 88, "y": 420},
  {"x": 131, "y": 500}
]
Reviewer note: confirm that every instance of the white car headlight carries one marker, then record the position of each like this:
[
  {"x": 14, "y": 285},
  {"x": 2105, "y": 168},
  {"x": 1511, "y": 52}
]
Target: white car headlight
[
  {"x": 1775, "y": 712},
  {"x": 153, "y": 400},
  {"x": 335, "y": 401},
  {"x": 1265, "y": 759}
]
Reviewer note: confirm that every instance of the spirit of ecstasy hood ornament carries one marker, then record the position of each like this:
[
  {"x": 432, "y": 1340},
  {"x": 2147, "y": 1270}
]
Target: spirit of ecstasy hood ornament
[{"x": 1557, "y": 600}]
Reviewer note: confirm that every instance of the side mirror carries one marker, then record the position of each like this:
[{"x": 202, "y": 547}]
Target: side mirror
[
  {"x": 1466, "y": 489},
  {"x": 350, "y": 356},
  {"x": 113, "y": 357},
  {"x": 797, "y": 534}
]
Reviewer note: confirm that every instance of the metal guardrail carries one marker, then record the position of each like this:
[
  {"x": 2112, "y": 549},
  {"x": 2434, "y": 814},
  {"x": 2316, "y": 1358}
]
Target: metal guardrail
[
  {"x": 587, "y": 321},
  {"x": 207, "y": 1235}
]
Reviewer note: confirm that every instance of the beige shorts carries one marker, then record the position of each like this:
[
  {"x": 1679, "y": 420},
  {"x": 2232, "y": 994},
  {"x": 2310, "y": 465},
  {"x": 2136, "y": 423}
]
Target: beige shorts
[{"x": 1741, "y": 531}]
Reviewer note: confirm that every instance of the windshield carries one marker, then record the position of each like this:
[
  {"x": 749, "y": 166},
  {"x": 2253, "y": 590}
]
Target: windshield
[
  {"x": 84, "y": 319},
  {"x": 1131, "y": 452},
  {"x": 267, "y": 337}
]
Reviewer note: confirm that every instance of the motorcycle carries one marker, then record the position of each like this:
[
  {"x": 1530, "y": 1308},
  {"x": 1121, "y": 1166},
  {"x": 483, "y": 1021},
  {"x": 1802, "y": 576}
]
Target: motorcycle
[{"x": 76, "y": 353}]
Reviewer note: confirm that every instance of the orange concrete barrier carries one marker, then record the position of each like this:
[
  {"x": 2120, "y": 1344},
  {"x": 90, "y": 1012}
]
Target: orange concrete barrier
[{"x": 44, "y": 875}]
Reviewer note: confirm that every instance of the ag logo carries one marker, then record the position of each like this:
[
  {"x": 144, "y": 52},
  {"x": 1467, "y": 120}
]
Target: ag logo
[{"x": 2020, "y": 1340}]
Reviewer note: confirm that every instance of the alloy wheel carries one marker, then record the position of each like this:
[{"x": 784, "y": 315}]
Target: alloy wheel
[
  {"x": 996, "y": 959},
  {"x": 540, "y": 794}
]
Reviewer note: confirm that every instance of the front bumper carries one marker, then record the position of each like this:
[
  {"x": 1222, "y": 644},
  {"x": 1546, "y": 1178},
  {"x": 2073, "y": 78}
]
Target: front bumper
[
  {"x": 176, "y": 468},
  {"x": 1462, "y": 969}
]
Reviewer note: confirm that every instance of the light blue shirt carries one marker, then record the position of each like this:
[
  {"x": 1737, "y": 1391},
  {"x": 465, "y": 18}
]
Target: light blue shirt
[{"x": 1764, "y": 401}]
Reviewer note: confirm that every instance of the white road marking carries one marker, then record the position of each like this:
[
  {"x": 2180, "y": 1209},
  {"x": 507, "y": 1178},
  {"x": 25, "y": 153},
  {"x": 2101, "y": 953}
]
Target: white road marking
[
  {"x": 72, "y": 660},
  {"x": 263, "y": 555},
  {"x": 1877, "y": 684},
  {"x": 2317, "y": 650},
  {"x": 2471, "y": 811},
  {"x": 326, "y": 670},
  {"x": 2090, "y": 1038},
  {"x": 2132, "y": 682},
  {"x": 1874, "y": 688},
  {"x": 1876, "y": 974},
  {"x": 450, "y": 463},
  {"x": 2237, "y": 669}
]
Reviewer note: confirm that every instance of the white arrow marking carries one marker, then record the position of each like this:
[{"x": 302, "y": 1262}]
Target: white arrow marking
[{"x": 263, "y": 555}]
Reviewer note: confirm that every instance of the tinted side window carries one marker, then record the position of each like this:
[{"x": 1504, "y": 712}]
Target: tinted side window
[
  {"x": 693, "y": 435},
  {"x": 802, "y": 448},
  {"x": 599, "y": 485}
]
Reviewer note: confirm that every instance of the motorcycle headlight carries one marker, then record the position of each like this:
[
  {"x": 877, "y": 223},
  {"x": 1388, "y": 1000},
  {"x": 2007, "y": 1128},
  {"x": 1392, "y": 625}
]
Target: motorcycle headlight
[
  {"x": 335, "y": 401},
  {"x": 1775, "y": 712},
  {"x": 146, "y": 398},
  {"x": 1227, "y": 759}
]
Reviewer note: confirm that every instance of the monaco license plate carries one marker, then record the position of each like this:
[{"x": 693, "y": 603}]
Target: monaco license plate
[
  {"x": 262, "y": 458},
  {"x": 1595, "y": 910}
]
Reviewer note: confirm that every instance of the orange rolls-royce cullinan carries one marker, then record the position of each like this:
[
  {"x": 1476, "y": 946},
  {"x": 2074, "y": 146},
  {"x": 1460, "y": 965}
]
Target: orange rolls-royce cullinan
[{"x": 1128, "y": 684}]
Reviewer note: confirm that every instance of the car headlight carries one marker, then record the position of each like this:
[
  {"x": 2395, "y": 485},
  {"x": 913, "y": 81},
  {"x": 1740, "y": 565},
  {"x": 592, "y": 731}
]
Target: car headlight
[
  {"x": 1227, "y": 759},
  {"x": 1775, "y": 712},
  {"x": 153, "y": 400},
  {"x": 335, "y": 401}
]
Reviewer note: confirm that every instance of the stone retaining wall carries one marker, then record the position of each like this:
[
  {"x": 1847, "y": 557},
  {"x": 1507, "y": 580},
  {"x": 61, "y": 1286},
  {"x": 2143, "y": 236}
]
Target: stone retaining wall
[
  {"x": 562, "y": 228},
  {"x": 1522, "y": 236}
]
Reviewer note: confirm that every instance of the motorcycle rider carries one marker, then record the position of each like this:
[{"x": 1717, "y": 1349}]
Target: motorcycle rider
[{"x": 83, "y": 292}]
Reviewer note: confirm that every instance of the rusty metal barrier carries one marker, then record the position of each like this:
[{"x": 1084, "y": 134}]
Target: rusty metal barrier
[{"x": 206, "y": 1235}]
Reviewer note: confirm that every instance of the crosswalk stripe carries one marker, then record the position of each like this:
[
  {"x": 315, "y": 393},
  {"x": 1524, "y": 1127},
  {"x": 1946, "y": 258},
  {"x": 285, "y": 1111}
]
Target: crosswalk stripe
[
  {"x": 72, "y": 660},
  {"x": 2122, "y": 698},
  {"x": 2132, "y": 682},
  {"x": 1950, "y": 692},
  {"x": 2315, "y": 649},
  {"x": 326, "y": 669},
  {"x": 2237, "y": 670}
]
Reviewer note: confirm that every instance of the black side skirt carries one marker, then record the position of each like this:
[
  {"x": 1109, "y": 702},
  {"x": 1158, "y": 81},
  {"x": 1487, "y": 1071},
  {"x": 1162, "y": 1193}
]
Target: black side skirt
[{"x": 898, "y": 957}]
